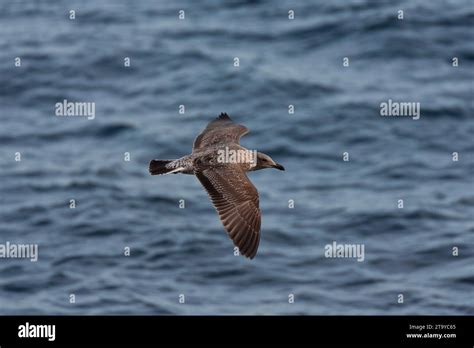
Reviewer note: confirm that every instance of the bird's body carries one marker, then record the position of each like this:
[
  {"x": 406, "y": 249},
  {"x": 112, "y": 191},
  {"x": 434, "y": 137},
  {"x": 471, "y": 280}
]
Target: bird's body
[{"x": 232, "y": 193}]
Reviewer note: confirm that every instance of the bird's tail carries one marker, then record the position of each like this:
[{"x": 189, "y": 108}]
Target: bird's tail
[{"x": 158, "y": 167}]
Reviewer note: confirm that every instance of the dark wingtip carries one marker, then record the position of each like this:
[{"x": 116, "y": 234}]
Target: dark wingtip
[
  {"x": 252, "y": 254},
  {"x": 224, "y": 116},
  {"x": 249, "y": 255}
]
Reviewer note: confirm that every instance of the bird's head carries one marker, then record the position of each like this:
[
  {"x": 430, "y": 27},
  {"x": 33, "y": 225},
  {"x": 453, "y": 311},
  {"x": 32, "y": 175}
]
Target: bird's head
[{"x": 265, "y": 161}]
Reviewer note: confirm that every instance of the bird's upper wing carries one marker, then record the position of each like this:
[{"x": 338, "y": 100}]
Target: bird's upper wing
[
  {"x": 236, "y": 201},
  {"x": 222, "y": 130}
]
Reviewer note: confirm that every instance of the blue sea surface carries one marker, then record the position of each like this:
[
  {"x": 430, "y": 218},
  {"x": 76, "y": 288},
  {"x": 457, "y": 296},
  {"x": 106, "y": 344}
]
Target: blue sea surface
[{"x": 282, "y": 62}]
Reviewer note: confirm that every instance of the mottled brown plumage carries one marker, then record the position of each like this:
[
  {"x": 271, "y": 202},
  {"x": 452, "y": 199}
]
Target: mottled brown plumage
[{"x": 230, "y": 190}]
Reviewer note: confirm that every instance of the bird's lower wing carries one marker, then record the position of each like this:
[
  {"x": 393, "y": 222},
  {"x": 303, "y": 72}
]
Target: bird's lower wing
[{"x": 236, "y": 201}]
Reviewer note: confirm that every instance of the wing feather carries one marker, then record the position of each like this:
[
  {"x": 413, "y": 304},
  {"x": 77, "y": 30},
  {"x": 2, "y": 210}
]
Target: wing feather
[
  {"x": 222, "y": 130},
  {"x": 236, "y": 201}
]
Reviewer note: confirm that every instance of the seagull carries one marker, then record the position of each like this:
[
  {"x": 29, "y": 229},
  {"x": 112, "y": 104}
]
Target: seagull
[{"x": 224, "y": 178}]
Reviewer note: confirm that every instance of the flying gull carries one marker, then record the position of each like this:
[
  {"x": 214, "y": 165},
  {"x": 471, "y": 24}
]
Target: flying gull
[{"x": 230, "y": 190}]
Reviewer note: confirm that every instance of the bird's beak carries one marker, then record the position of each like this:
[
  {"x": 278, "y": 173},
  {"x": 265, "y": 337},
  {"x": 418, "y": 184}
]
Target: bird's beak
[{"x": 278, "y": 166}]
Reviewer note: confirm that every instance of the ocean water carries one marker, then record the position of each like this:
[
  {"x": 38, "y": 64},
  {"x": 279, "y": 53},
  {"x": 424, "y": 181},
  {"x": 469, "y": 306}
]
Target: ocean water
[{"x": 283, "y": 62}]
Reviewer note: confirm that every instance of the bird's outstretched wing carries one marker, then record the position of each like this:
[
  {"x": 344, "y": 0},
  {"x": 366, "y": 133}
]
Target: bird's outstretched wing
[
  {"x": 222, "y": 130},
  {"x": 236, "y": 201}
]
